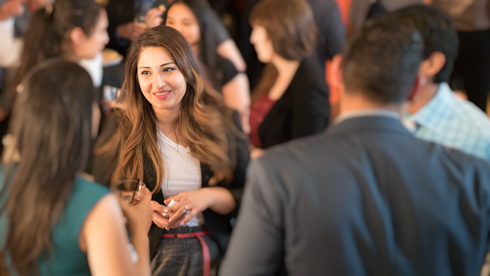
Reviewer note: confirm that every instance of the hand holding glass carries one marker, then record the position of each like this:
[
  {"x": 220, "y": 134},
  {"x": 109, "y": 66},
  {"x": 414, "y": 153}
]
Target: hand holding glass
[{"x": 130, "y": 190}]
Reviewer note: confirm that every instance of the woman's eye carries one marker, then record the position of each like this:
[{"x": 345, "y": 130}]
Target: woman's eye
[
  {"x": 168, "y": 69},
  {"x": 144, "y": 72}
]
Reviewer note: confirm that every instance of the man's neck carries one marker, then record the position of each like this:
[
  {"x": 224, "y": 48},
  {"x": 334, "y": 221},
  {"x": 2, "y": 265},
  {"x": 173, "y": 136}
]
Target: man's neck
[
  {"x": 424, "y": 96},
  {"x": 356, "y": 102}
]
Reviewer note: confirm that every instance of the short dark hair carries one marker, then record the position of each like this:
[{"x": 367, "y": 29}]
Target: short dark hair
[
  {"x": 382, "y": 61},
  {"x": 438, "y": 32},
  {"x": 290, "y": 25}
]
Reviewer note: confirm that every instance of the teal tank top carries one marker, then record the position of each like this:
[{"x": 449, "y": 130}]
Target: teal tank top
[{"x": 66, "y": 258}]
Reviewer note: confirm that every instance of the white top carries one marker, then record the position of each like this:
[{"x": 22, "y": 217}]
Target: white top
[
  {"x": 182, "y": 171},
  {"x": 11, "y": 49}
]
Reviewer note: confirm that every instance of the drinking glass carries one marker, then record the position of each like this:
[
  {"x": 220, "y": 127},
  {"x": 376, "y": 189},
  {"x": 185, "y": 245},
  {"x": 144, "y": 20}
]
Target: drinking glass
[{"x": 129, "y": 190}]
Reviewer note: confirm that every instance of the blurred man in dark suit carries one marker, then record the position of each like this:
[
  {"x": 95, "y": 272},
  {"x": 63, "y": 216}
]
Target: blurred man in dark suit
[{"x": 365, "y": 197}]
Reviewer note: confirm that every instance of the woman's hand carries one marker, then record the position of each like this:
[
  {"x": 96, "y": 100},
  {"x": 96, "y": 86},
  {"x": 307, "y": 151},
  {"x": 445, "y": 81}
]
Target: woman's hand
[
  {"x": 189, "y": 203},
  {"x": 11, "y": 8},
  {"x": 130, "y": 30},
  {"x": 160, "y": 220},
  {"x": 256, "y": 153},
  {"x": 154, "y": 18},
  {"x": 139, "y": 216}
]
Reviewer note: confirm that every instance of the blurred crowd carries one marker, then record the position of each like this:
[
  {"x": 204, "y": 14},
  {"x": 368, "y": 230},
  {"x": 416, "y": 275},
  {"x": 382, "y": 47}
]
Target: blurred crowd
[{"x": 245, "y": 137}]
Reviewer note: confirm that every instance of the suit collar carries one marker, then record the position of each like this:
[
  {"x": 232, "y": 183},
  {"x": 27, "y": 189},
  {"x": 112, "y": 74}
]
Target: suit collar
[{"x": 369, "y": 123}]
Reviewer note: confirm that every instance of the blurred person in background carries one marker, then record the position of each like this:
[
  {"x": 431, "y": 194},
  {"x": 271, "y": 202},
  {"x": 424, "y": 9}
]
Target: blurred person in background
[
  {"x": 330, "y": 40},
  {"x": 52, "y": 220},
  {"x": 365, "y": 197},
  {"x": 472, "y": 66},
  {"x": 361, "y": 10},
  {"x": 284, "y": 34},
  {"x": 438, "y": 114},
  {"x": 130, "y": 18},
  {"x": 192, "y": 18},
  {"x": 72, "y": 29}
]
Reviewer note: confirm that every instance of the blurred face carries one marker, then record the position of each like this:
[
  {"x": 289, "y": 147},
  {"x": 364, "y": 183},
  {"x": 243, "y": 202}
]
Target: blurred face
[
  {"x": 161, "y": 82},
  {"x": 181, "y": 18},
  {"x": 34, "y": 5},
  {"x": 89, "y": 46},
  {"x": 262, "y": 44}
]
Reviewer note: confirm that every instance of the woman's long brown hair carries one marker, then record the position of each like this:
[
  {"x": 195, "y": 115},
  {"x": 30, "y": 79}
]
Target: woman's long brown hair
[
  {"x": 199, "y": 124},
  {"x": 51, "y": 127}
]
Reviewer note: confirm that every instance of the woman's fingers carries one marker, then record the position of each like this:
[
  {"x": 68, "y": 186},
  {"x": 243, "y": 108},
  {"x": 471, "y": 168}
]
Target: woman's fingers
[
  {"x": 157, "y": 207},
  {"x": 179, "y": 213},
  {"x": 160, "y": 221},
  {"x": 191, "y": 214},
  {"x": 177, "y": 222}
]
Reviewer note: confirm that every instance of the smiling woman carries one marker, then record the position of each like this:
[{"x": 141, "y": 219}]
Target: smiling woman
[{"x": 175, "y": 135}]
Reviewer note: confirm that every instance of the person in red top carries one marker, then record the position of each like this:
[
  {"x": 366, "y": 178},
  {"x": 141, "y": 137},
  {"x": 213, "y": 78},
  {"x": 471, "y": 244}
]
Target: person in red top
[{"x": 296, "y": 105}]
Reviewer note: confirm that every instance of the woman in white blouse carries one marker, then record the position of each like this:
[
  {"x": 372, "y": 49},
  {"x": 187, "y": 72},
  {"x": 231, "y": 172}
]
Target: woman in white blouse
[{"x": 175, "y": 135}]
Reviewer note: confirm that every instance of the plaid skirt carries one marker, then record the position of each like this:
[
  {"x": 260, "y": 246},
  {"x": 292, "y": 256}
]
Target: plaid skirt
[{"x": 182, "y": 256}]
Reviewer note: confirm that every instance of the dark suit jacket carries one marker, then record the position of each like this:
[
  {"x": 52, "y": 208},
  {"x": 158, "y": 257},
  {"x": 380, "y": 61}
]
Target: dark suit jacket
[
  {"x": 363, "y": 198},
  {"x": 302, "y": 110}
]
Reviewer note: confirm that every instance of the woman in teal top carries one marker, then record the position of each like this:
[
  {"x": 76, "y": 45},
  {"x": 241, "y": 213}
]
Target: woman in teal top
[{"x": 51, "y": 220}]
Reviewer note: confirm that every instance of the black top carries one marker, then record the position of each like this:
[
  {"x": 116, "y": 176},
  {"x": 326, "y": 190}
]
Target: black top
[{"x": 302, "y": 110}]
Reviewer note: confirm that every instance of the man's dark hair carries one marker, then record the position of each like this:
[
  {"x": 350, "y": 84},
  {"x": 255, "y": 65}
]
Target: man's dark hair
[
  {"x": 438, "y": 32},
  {"x": 382, "y": 61}
]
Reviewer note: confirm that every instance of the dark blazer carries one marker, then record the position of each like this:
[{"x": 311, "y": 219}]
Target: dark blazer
[
  {"x": 363, "y": 198},
  {"x": 302, "y": 110}
]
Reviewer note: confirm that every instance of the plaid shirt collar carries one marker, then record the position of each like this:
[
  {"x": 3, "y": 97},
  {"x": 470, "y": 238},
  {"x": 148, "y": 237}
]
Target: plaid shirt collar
[{"x": 436, "y": 110}]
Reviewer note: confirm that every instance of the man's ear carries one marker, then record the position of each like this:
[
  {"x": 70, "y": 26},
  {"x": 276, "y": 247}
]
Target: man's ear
[
  {"x": 417, "y": 86},
  {"x": 433, "y": 64},
  {"x": 77, "y": 36},
  {"x": 336, "y": 68}
]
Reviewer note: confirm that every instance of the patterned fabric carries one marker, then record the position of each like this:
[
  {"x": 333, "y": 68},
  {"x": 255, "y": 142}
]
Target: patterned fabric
[
  {"x": 454, "y": 123},
  {"x": 181, "y": 256}
]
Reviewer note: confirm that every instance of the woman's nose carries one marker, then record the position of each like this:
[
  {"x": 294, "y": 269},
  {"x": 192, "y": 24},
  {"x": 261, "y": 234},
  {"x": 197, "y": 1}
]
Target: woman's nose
[{"x": 159, "y": 81}]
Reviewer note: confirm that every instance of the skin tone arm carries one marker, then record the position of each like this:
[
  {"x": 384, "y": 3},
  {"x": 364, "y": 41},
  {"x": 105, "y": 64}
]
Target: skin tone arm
[
  {"x": 130, "y": 30},
  {"x": 11, "y": 8},
  {"x": 228, "y": 50},
  {"x": 236, "y": 95},
  {"x": 104, "y": 238}
]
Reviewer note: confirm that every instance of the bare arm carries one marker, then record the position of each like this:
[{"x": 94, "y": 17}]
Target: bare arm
[
  {"x": 104, "y": 238},
  {"x": 228, "y": 50},
  {"x": 236, "y": 95}
]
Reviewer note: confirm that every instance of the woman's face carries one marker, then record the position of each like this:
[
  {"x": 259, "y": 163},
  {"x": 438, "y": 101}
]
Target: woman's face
[
  {"x": 181, "y": 18},
  {"x": 89, "y": 46},
  {"x": 161, "y": 82},
  {"x": 262, "y": 44}
]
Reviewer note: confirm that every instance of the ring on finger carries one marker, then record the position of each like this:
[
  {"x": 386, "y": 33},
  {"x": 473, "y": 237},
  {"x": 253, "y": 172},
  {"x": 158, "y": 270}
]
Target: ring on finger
[{"x": 186, "y": 208}]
